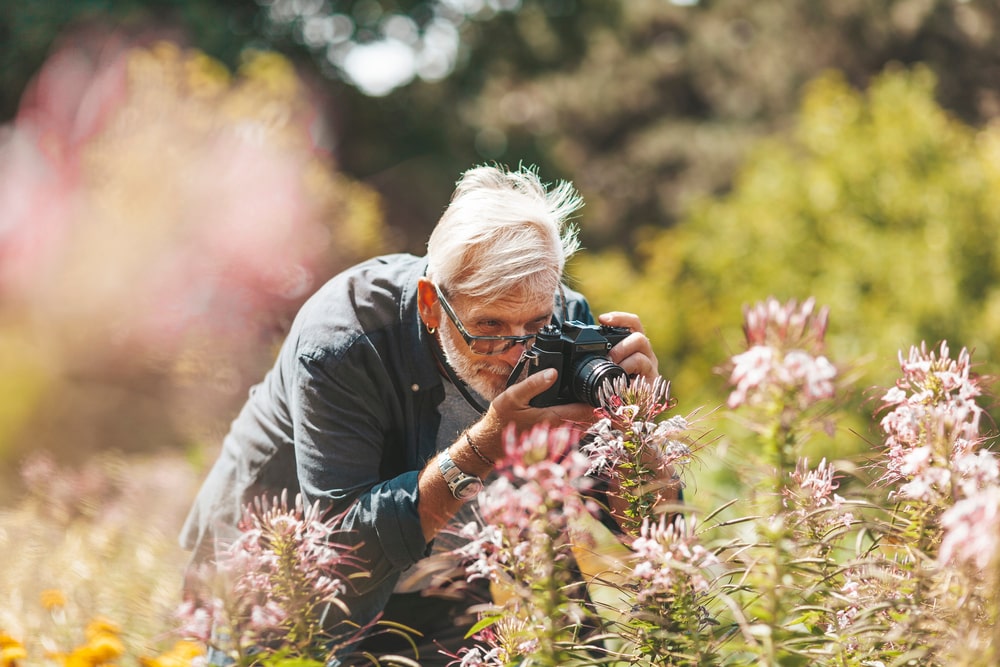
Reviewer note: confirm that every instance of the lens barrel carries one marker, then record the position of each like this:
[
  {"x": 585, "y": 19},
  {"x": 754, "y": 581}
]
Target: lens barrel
[{"x": 589, "y": 375}]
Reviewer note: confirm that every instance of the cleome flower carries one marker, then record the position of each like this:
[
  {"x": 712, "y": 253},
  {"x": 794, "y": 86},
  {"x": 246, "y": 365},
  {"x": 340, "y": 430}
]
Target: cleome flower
[
  {"x": 813, "y": 504},
  {"x": 669, "y": 561},
  {"x": 773, "y": 324},
  {"x": 630, "y": 432},
  {"x": 636, "y": 449},
  {"x": 521, "y": 542},
  {"x": 282, "y": 571},
  {"x": 972, "y": 530},
  {"x": 526, "y": 512},
  {"x": 784, "y": 357},
  {"x": 932, "y": 427},
  {"x": 812, "y": 489}
]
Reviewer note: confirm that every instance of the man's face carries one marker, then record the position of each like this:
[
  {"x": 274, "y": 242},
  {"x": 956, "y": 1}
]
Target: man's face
[{"x": 514, "y": 315}]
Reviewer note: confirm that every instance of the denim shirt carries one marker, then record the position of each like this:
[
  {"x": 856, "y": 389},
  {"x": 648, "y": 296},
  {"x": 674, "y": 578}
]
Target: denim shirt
[{"x": 348, "y": 417}]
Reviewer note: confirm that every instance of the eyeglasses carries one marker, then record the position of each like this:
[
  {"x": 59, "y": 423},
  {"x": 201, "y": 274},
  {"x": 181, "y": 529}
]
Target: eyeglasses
[{"x": 485, "y": 345}]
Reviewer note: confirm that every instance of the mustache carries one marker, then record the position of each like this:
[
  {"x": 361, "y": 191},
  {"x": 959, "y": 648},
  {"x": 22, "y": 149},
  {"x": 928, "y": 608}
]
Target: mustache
[{"x": 499, "y": 369}]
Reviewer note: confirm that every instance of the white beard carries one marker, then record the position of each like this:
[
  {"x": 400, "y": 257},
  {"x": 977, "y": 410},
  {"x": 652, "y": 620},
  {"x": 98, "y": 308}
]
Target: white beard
[{"x": 487, "y": 376}]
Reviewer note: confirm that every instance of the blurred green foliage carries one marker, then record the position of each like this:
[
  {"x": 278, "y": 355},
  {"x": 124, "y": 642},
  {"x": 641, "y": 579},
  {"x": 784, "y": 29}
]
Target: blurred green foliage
[
  {"x": 880, "y": 204},
  {"x": 662, "y": 103}
]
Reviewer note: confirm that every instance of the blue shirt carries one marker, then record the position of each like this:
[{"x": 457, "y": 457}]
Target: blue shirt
[{"x": 348, "y": 417}]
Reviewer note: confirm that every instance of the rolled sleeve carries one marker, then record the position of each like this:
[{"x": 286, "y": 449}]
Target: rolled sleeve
[
  {"x": 390, "y": 510},
  {"x": 342, "y": 412}
]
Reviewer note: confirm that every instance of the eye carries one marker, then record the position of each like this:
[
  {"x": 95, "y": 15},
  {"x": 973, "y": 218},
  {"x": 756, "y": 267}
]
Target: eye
[
  {"x": 536, "y": 325},
  {"x": 489, "y": 327}
]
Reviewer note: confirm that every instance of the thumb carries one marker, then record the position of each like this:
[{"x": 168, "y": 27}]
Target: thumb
[{"x": 533, "y": 385}]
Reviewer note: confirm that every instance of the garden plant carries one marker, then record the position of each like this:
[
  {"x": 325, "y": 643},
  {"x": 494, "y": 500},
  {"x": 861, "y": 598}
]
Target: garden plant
[{"x": 889, "y": 560}]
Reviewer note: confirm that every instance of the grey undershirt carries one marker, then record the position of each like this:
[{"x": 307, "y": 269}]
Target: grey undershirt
[{"x": 456, "y": 416}]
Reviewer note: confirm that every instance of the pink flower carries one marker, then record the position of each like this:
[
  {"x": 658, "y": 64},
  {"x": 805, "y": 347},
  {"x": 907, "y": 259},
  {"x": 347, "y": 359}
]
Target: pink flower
[
  {"x": 976, "y": 472},
  {"x": 281, "y": 570},
  {"x": 197, "y": 619},
  {"x": 751, "y": 370},
  {"x": 818, "y": 484},
  {"x": 812, "y": 491},
  {"x": 972, "y": 530},
  {"x": 669, "y": 561},
  {"x": 527, "y": 511},
  {"x": 932, "y": 427},
  {"x": 783, "y": 357},
  {"x": 628, "y": 433},
  {"x": 782, "y": 326}
]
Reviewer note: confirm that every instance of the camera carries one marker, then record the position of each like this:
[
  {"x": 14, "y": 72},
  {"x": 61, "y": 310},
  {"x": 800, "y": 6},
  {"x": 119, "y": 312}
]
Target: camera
[{"x": 580, "y": 353}]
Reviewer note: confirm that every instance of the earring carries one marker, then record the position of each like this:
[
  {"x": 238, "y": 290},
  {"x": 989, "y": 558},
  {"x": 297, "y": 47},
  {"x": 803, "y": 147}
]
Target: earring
[{"x": 431, "y": 330}]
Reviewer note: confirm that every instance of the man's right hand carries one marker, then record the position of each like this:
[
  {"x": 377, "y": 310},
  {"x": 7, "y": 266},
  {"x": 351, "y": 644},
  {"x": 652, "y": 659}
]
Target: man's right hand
[{"x": 513, "y": 408}]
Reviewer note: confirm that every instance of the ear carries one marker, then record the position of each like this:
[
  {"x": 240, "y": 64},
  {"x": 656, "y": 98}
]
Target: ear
[{"x": 427, "y": 303}]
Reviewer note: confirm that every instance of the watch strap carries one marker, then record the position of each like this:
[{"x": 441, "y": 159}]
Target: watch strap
[{"x": 461, "y": 484}]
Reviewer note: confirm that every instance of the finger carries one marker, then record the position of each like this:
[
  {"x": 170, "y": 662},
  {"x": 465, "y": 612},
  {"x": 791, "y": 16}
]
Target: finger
[
  {"x": 617, "y": 318},
  {"x": 572, "y": 414},
  {"x": 634, "y": 343},
  {"x": 522, "y": 392},
  {"x": 640, "y": 364}
]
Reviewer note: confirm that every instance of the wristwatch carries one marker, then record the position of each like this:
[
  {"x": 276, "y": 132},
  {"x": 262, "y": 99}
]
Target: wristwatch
[{"x": 463, "y": 486}]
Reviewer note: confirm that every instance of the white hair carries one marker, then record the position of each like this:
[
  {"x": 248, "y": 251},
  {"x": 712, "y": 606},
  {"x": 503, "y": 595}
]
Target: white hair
[{"x": 503, "y": 231}]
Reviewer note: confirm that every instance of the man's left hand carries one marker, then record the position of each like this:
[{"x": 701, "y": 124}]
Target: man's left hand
[{"x": 635, "y": 353}]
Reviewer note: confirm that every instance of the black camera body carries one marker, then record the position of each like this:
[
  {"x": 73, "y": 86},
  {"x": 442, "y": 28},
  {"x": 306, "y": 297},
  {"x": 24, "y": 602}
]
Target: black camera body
[{"x": 580, "y": 353}]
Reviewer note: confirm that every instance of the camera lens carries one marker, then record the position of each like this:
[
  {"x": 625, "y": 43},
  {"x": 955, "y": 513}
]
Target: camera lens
[{"x": 590, "y": 374}]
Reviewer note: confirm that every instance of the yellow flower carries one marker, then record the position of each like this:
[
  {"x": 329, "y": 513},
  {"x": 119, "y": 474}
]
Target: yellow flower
[
  {"x": 99, "y": 627},
  {"x": 11, "y": 651},
  {"x": 180, "y": 654},
  {"x": 97, "y": 653},
  {"x": 52, "y": 598},
  {"x": 206, "y": 76},
  {"x": 272, "y": 72},
  {"x": 102, "y": 647}
]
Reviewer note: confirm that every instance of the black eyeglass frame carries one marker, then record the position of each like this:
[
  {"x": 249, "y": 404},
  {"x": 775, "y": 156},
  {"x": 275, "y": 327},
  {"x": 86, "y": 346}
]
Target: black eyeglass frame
[{"x": 497, "y": 344}]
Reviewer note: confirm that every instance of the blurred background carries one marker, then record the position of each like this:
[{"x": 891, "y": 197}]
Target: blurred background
[{"x": 177, "y": 176}]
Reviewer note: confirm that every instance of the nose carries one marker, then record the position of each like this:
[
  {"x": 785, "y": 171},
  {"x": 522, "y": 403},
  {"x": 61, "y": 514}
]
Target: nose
[{"x": 513, "y": 354}]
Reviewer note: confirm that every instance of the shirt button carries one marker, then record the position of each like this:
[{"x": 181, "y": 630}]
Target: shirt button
[{"x": 415, "y": 387}]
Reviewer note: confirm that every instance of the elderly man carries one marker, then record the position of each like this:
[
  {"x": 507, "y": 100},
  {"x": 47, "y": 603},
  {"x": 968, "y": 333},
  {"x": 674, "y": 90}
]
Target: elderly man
[{"x": 388, "y": 399}]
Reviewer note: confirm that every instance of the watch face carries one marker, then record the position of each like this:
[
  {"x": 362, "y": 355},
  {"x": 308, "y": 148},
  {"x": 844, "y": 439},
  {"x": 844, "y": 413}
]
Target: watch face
[
  {"x": 468, "y": 488},
  {"x": 462, "y": 486}
]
